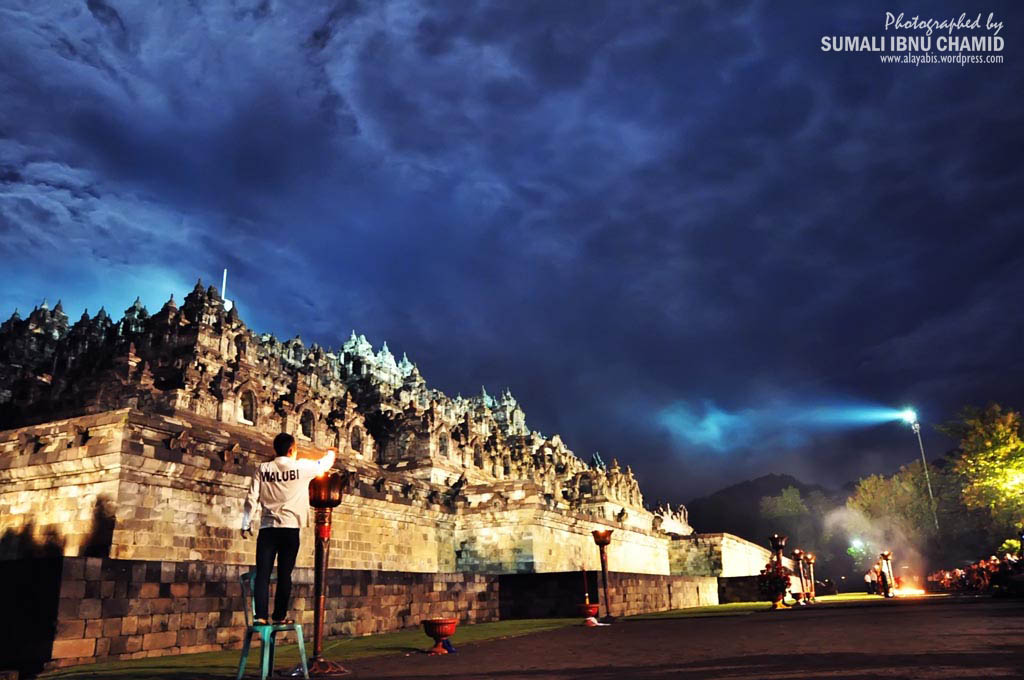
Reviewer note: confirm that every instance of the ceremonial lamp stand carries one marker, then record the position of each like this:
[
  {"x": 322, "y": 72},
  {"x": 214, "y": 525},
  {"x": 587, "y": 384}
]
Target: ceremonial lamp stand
[
  {"x": 809, "y": 558},
  {"x": 325, "y": 494},
  {"x": 798, "y": 557},
  {"x": 602, "y": 539},
  {"x": 778, "y": 544}
]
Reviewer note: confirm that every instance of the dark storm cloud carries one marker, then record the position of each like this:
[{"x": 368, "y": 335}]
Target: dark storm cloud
[{"x": 620, "y": 210}]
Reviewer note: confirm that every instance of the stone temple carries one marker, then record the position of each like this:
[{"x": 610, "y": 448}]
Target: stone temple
[{"x": 126, "y": 449}]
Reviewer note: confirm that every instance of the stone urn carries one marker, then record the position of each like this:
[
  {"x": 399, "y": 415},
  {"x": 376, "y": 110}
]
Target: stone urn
[{"x": 440, "y": 630}]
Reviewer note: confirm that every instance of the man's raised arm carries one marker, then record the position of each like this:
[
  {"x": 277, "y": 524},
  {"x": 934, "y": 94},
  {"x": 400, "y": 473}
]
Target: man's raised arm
[
  {"x": 325, "y": 463},
  {"x": 321, "y": 465}
]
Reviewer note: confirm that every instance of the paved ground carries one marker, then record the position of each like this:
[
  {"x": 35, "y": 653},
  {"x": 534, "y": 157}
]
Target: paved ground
[{"x": 968, "y": 640}]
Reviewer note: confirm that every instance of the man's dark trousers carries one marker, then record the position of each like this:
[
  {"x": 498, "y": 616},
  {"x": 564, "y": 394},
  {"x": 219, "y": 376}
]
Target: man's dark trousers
[{"x": 284, "y": 544}]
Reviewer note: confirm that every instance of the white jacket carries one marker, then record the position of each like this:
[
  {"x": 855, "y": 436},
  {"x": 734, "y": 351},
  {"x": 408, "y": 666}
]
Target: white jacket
[{"x": 281, "y": 488}]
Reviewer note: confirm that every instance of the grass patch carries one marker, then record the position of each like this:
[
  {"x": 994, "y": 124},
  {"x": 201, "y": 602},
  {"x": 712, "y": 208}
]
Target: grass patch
[{"x": 220, "y": 665}]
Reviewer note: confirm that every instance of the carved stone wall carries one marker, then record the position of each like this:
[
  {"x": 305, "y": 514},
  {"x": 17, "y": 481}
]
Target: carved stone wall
[
  {"x": 200, "y": 363},
  {"x": 131, "y": 485}
]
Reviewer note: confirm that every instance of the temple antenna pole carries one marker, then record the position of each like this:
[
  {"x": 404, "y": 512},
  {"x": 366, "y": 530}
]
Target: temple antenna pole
[{"x": 228, "y": 304}]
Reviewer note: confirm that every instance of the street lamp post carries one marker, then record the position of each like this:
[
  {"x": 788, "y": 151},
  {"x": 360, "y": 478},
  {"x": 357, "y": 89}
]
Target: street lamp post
[{"x": 910, "y": 417}]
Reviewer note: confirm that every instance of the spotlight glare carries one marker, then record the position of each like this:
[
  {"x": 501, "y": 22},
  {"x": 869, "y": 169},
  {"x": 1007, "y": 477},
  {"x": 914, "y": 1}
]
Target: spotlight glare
[{"x": 909, "y": 416}]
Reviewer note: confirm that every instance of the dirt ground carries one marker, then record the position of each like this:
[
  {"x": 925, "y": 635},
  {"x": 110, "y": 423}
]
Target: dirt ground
[{"x": 963, "y": 639}]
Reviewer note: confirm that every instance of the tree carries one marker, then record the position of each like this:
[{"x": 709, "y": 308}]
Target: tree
[
  {"x": 788, "y": 504},
  {"x": 1010, "y": 545},
  {"x": 887, "y": 512},
  {"x": 897, "y": 506},
  {"x": 990, "y": 461},
  {"x": 788, "y": 508}
]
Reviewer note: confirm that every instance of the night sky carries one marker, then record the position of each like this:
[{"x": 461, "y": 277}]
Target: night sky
[{"x": 671, "y": 228}]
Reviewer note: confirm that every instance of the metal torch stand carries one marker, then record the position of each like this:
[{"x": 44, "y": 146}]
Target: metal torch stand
[
  {"x": 798, "y": 559},
  {"x": 319, "y": 667},
  {"x": 608, "y": 618},
  {"x": 810, "y": 577},
  {"x": 778, "y": 544}
]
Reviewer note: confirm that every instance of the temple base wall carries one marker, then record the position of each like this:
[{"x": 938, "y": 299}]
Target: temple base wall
[
  {"x": 716, "y": 555},
  {"x": 97, "y": 609},
  {"x": 127, "y": 609},
  {"x": 559, "y": 594},
  {"x": 528, "y": 540}
]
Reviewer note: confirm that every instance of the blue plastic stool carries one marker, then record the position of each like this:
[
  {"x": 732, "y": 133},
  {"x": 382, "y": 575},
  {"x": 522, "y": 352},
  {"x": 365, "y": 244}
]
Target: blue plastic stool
[{"x": 268, "y": 634}]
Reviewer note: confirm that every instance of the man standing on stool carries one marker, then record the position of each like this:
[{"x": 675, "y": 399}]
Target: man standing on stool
[{"x": 281, "y": 488}]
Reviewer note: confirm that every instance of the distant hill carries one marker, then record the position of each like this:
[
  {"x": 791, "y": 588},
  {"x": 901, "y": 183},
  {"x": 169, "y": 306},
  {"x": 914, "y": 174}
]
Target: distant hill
[{"x": 736, "y": 509}]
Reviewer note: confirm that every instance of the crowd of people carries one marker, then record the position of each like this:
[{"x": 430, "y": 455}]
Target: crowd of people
[{"x": 993, "y": 575}]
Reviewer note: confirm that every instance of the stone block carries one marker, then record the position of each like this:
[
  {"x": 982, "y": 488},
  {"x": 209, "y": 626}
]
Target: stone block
[
  {"x": 138, "y": 573},
  {"x": 90, "y": 609},
  {"x": 72, "y": 589},
  {"x": 111, "y": 627},
  {"x": 67, "y": 608},
  {"x": 73, "y": 569},
  {"x": 69, "y": 629},
  {"x": 115, "y": 608},
  {"x": 70, "y": 649},
  {"x": 187, "y": 638},
  {"x": 118, "y": 645},
  {"x": 93, "y": 568},
  {"x": 133, "y": 644},
  {"x": 161, "y": 640},
  {"x": 149, "y": 590},
  {"x": 129, "y": 625},
  {"x": 161, "y": 605}
]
